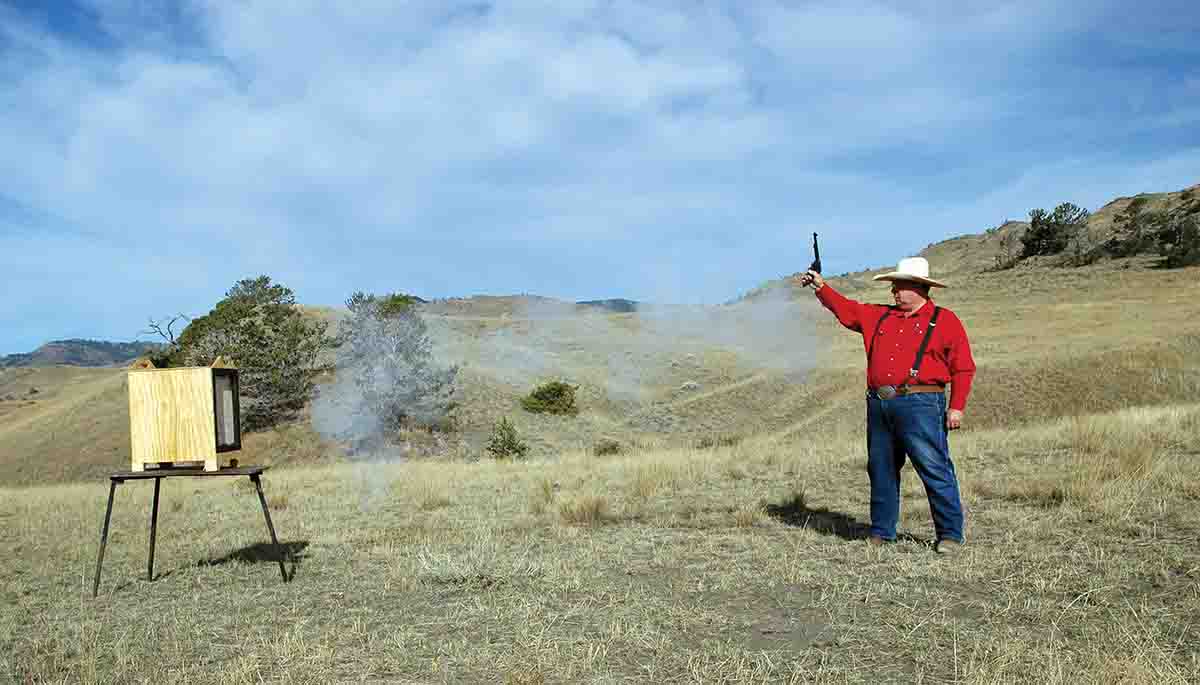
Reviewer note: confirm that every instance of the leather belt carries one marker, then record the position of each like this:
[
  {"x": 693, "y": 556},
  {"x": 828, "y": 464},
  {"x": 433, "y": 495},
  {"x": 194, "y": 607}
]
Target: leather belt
[{"x": 887, "y": 392}]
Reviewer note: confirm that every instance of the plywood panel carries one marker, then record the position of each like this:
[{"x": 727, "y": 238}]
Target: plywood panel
[{"x": 171, "y": 416}]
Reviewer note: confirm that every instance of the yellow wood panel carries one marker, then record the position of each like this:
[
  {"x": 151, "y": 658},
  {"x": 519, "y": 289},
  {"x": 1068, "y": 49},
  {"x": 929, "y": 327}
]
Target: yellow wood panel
[{"x": 171, "y": 416}]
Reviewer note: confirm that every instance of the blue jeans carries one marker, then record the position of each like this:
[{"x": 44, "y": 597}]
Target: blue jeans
[{"x": 913, "y": 426}]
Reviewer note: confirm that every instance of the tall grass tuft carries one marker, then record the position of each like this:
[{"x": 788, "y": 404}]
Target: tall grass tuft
[
  {"x": 749, "y": 515},
  {"x": 433, "y": 497},
  {"x": 649, "y": 477},
  {"x": 541, "y": 496},
  {"x": 1109, "y": 461},
  {"x": 584, "y": 510}
]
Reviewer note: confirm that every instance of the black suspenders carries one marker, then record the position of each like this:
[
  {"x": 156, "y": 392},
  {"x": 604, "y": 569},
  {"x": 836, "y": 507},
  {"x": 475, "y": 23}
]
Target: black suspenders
[{"x": 912, "y": 374}]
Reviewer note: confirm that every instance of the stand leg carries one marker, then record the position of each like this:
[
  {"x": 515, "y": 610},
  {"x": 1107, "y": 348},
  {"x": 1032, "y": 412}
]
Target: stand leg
[
  {"x": 270, "y": 526},
  {"x": 153, "y": 530},
  {"x": 112, "y": 490}
]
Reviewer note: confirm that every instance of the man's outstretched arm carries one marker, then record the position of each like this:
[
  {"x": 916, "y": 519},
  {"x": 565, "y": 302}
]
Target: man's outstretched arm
[{"x": 848, "y": 312}]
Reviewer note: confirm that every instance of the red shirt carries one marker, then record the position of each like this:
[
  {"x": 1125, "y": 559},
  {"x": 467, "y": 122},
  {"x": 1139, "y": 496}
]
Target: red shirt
[{"x": 947, "y": 359}]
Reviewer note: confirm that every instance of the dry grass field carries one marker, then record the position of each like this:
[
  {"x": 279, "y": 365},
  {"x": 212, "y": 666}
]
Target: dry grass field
[{"x": 666, "y": 563}]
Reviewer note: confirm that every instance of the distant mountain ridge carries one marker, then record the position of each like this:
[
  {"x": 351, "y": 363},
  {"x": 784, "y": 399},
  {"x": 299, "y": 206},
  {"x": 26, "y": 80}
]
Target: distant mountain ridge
[
  {"x": 618, "y": 305},
  {"x": 79, "y": 352}
]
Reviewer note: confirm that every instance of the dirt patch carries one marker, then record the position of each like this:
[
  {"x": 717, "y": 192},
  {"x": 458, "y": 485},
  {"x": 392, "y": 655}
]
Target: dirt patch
[{"x": 792, "y": 630}]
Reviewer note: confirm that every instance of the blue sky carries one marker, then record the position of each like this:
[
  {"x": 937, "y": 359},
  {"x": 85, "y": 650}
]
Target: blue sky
[{"x": 156, "y": 152}]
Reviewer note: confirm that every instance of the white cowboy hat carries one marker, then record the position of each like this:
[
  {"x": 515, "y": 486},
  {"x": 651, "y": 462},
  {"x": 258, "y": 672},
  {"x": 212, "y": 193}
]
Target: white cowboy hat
[{"x": 915, "y": 269}]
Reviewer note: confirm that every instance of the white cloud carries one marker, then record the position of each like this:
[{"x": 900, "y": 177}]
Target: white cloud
[{"x": 577, "y": 149}]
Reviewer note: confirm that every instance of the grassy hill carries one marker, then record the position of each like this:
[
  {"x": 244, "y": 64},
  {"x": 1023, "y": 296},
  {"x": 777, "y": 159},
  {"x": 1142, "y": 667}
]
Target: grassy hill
[
  {"x": 722, "y": 545},
  {"x": 968, "y": 255}
]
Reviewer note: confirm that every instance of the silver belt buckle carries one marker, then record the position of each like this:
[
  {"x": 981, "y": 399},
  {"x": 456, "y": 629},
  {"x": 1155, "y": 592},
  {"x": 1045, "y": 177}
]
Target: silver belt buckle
[{"x": 886, "y": 392}]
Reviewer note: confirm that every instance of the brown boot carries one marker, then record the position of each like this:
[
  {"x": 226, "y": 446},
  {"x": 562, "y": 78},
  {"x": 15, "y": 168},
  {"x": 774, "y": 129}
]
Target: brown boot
[{"x": 876, "y": 541}]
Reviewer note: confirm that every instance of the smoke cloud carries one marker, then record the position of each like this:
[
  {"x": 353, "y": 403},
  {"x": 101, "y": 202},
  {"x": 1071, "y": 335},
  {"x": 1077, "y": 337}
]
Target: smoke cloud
[
  {"x": 630, "y": 359},
  {"x": 630, "y": 363}
]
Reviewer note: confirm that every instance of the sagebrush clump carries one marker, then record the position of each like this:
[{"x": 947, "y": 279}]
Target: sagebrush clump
[
  {"x": 607, "y": 447},
  {"x": 552, "y": 397},
  {"x": 505, "y": 443}
]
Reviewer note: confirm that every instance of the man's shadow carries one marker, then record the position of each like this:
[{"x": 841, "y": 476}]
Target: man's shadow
[
  {"x": 795, "y": 512},
  {"x": 262, "y": 553}
]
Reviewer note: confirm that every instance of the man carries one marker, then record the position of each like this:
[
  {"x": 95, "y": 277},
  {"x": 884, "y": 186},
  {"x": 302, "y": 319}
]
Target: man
[{"x": 914, "y": 349}]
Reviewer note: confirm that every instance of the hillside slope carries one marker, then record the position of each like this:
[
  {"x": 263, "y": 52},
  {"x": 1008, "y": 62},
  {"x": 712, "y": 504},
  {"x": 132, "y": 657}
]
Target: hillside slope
[
  {"x": 1049, "y": 342},
  {"x": 62, "y": 423},
  {"x": 976, "y": 253}
]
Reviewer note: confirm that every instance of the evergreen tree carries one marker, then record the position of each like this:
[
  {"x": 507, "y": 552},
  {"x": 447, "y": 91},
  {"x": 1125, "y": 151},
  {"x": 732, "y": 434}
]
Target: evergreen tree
[
  {"x": 277, "y": 350},
  {"x": 1050, "y": 233}
]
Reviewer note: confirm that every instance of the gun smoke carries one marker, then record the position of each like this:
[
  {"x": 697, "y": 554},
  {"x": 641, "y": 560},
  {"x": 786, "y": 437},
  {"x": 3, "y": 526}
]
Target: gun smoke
[{"x": 630, "y": 360}]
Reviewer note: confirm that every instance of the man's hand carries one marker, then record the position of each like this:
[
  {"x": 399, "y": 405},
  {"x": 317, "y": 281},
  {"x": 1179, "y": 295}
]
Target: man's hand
[
  {"x": 809, "y": 278},
  {"x": 954, "y": 419}
]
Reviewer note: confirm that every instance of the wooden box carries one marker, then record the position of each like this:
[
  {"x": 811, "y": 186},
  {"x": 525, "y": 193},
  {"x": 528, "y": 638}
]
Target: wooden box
[{"x": 180, "y": 415}]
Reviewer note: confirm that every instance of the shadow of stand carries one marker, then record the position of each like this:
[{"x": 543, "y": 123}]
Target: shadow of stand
[{"x": 264, "y": 553}]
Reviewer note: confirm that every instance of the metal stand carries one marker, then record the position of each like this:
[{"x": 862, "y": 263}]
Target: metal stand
[
  {"x": 153, "y": 530},
  {"x": 112, "y": 489},
  {"x": 270, "y": 526},
  {"x": 253, "y": 472}
]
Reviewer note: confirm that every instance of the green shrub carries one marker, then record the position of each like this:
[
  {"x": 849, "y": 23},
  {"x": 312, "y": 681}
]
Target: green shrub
[
  {"x": 505, "y": 443},
  {"x": 709, "y": 441},
  {"x": 552, "y": 397},
  {"x": 606, "y": 447}
]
